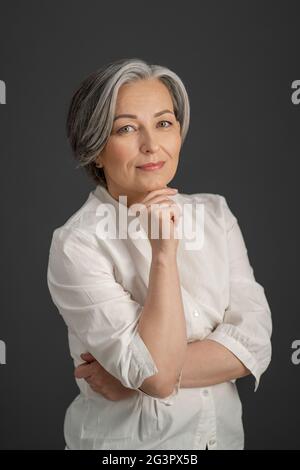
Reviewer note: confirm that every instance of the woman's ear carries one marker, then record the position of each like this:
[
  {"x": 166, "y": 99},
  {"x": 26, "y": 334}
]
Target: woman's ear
[{"x": 98, "y": 162}]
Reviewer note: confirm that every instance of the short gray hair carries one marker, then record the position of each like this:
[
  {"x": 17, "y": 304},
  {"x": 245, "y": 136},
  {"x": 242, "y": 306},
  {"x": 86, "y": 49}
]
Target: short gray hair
[{"x": 92, "y": 108}]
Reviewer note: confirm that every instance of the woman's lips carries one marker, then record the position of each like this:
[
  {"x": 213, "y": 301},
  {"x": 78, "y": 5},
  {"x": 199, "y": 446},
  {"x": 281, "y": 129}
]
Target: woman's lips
[{"x": 151, "y": 166}]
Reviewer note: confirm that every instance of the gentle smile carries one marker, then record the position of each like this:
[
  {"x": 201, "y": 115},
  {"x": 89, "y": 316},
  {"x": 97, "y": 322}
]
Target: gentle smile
[{"x": 151, "y": 166}]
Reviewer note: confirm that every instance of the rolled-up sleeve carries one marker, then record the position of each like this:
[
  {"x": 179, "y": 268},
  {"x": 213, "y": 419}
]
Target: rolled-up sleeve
[
  {"x": 170, "y": 399},
  {"x": 247, "y": 326},
  {"x": 96, "y": 308}
]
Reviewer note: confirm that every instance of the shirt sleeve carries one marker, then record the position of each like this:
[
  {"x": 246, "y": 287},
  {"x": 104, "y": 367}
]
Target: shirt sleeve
[
  {"x": 169, "y": 400},
  {"x": 96, "y": 308},
  {"x": 247, "y": 326}
]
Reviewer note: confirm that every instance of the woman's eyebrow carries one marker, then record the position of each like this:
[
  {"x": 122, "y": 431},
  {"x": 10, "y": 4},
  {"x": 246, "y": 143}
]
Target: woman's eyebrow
[{"x": 133, "y": 116}]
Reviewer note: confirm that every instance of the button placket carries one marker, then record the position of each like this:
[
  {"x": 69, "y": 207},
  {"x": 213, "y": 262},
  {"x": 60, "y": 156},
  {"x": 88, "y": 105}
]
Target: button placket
[
  {"x": 212, "y": 442},
  {"x": 209, "y": 418}
]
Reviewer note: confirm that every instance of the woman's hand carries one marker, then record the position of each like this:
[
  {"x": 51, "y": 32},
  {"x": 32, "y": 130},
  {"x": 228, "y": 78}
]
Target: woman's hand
[
  {"x": 165, "y": 213},
  {"x": 100, "y": 380}
]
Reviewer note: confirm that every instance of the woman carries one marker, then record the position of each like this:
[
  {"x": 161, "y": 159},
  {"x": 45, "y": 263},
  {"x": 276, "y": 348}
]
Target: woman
[{"x": 159, "y": 327}]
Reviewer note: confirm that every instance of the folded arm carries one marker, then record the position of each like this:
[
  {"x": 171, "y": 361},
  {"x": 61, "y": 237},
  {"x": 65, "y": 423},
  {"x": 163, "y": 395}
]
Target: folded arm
[
  {"x": 120, "y": 333},
  {"x": 208, "y": 362}
]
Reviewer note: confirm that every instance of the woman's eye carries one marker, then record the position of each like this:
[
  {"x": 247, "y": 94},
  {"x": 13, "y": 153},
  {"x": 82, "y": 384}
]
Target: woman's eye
[
  {"x": 167, "y": 122},
  {"x": 122, "y": 129}
]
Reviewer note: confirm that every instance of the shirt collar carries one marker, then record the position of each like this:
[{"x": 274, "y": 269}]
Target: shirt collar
[{"x": 102, "y": 193}]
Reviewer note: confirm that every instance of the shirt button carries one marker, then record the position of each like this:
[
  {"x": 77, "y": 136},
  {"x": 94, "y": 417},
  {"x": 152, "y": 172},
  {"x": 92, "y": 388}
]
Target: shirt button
[
  {"x": 211, "y": 442},
  {"x": 205, "y": 392},
  {"x": 196, "y": 313}
]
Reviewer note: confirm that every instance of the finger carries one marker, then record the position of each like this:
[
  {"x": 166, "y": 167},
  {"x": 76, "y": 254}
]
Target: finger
[
  {"x": 159, "y": 200},
  {"x": 153, "y": 204},
  {"x": 177, "y": 216},
  {"x": 176, "y": 212},
  {"x": 83, "y": 370},
  {"x": 139, "y": 208},
  {"x": 89, "y": 380},
  {"x": 159, "y": 191},
  {"x": 165, "y": 210},
  {"x": 161, "y": 218},
  {"x": 158, "y": 197},
  {"x": 87, "y": 357},
  {"x": 154, "y": 208},
  {"x": 169, "y": 217}
]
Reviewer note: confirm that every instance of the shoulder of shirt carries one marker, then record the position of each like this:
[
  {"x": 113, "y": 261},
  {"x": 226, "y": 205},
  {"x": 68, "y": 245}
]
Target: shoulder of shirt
[
  {"x": 211, "y": 200},
  {"x": 216, "y": 207},
  {"x": 81, "y": 225}
]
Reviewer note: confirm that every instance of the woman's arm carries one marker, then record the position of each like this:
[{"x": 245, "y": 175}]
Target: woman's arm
[
  {"x": 162, "y": 324},
  {"x": 163, "y": 330},
  {"x": 208, "y": 363}
]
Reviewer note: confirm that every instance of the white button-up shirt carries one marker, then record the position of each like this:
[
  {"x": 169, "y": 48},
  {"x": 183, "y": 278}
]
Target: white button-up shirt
[{"x": 99, "y": 285}]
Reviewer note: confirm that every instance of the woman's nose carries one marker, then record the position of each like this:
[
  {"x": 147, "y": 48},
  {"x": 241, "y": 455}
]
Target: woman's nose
[{"x": 150, "y": 143}]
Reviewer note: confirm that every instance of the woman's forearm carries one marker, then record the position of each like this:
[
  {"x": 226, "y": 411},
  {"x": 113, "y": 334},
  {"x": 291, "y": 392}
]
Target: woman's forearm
[
  {"x": 208, "y": 362},
  {"x": 162, "y": 324}
]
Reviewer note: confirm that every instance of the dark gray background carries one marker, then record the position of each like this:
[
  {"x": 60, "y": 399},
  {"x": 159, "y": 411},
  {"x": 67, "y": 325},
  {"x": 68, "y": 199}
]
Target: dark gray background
[{"x": 237, "y": 60}]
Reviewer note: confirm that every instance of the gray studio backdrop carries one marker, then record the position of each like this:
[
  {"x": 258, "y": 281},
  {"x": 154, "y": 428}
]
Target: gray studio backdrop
[{"x": 240, "y": 63}]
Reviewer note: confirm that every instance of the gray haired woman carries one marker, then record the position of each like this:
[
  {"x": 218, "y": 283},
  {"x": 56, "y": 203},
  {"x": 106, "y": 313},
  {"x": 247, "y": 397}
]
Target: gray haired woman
[{"x": 159, "y": 328}]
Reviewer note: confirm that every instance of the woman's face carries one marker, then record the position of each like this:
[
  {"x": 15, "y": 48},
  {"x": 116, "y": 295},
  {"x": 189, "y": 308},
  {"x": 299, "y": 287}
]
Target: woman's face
[{"x": 141, "y": 138}]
